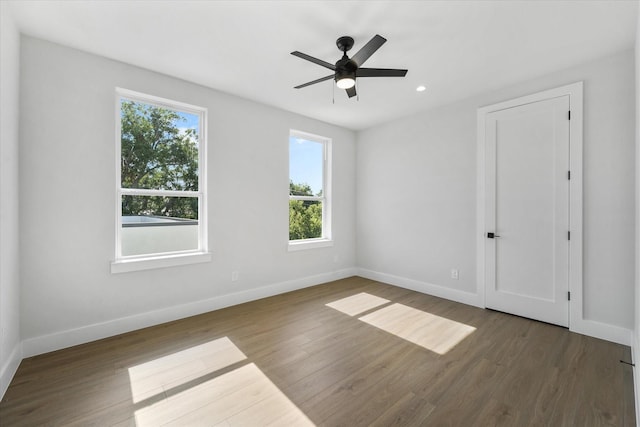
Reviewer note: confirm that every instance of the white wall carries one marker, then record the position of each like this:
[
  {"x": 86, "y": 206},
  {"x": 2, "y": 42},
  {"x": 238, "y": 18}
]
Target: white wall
[
  {"x": 67, "y": 181},
  {"x": 10, "y": 347},
  {"x": 415, "y": 201},
  {"x": 416, "y": 181}
]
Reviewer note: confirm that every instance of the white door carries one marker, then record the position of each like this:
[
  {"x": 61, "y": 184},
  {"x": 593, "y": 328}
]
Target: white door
[{"x": 527, "y": 210}]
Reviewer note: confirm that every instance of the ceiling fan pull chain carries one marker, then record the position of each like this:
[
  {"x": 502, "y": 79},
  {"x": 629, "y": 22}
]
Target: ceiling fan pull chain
[{"x": 333, "y": 93}]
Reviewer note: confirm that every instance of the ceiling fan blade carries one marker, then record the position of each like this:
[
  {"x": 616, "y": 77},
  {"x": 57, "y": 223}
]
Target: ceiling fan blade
[
  {"x": 351, "y": 91},
  {"x": 314, "y": 60},
  {"x": 321, "y": 79},
  {"x": 380, "y": 72},
  {"x": 368, "y": 49}
]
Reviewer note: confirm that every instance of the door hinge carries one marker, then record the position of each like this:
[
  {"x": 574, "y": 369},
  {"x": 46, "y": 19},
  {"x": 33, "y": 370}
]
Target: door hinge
[
  {"x": 568, "y": 296},
  {"x": 569, "y": 115},
  {"x": 568, "y": 235},
  {"x": 568, "y": 174}
]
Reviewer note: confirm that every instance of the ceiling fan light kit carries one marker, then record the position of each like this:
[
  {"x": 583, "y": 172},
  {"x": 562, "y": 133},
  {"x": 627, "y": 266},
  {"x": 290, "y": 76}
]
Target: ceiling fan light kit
[
  {"x": 346, "y": 69},
  {"x": 346, "y": 82}
]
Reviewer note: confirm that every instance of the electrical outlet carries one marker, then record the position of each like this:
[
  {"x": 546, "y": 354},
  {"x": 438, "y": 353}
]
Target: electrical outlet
[
  {"x": 234, "y": 276},
  {"x": 454, "y": 273}
]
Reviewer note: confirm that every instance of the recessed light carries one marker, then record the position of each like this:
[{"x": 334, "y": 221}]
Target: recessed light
[{"x": 421, "y": 88}]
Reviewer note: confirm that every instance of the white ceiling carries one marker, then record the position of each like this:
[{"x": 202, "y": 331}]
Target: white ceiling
[{"x": 455, "y": 48}]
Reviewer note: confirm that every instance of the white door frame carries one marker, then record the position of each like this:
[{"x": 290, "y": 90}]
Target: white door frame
[{"x": 574, "y": 91}]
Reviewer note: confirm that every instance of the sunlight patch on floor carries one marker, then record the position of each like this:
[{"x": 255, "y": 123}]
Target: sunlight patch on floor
[
  {"x": 242, "y": 397},
  {"x": 154, "y": 377},
  {"x": 358, "y": 303},
  {"x": 427, "y": 330}
]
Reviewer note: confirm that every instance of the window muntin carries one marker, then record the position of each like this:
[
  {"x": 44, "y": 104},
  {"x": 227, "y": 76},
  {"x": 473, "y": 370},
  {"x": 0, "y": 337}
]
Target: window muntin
[
  {"x": 160, "y": 188},
  {"x": 309, "y": 188}
]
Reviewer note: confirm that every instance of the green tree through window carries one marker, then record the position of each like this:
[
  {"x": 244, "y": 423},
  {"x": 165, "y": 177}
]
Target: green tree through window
[
  {"x": 158, "y": 152},
  {"x": 305, "y": 216}
]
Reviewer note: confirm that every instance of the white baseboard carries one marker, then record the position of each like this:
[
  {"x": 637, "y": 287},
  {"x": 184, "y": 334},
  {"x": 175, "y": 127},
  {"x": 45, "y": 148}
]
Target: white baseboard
[
  {"x": 84, "y": 334},
  {"x": 63, "y": 339},
  {"x": 591, "y": 328},
  {"x": 456, "y": 295},
  {"x": 636, "y": 392},
  {"x": 604, "y": 331},
  {"x": 9, "y": 369}
]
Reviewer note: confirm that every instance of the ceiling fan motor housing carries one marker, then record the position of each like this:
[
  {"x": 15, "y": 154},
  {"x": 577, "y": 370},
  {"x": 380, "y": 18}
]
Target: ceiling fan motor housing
[{"x": 345, "y": 67}]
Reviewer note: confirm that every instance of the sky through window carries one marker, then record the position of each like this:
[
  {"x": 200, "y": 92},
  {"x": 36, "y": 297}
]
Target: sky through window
[{"x": 305, "y": 164}]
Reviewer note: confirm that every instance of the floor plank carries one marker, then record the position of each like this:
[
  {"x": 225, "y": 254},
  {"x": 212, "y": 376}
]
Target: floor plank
[{"x": 353, "y": 352}]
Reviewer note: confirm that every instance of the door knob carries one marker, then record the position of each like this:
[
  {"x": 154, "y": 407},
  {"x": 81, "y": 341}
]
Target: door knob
[{"x": 492, "y": 235}]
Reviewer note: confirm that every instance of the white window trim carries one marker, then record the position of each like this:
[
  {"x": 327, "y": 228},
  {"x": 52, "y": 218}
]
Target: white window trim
[
  {"x": 123, "y": 264},
  {"x": 159, "y": 261},
  {"x": 303, "y": 244},
  {"x": 326, "y": 239}
]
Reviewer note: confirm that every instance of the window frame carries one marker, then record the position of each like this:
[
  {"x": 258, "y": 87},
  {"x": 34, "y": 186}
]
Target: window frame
[
  {"x": 125, "y": 263},
  {"x": 326, "y": 239}
]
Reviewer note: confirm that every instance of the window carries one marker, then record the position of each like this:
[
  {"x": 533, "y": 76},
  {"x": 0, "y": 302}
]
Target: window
[
  {"x": 309, "y": 191},
  {"x": 161, "y": 201}
]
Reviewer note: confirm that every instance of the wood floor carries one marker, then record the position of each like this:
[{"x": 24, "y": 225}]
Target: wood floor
[{"x": 349, "y": 353}]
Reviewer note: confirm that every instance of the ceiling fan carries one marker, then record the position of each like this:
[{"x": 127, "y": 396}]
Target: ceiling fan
[{"x": 348, "y": 69}]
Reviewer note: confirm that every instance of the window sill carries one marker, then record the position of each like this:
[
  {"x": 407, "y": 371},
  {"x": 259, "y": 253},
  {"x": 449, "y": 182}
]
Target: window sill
[
  {"x": 137, "y": 264},
  {"x": 300, "y": 245}
]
